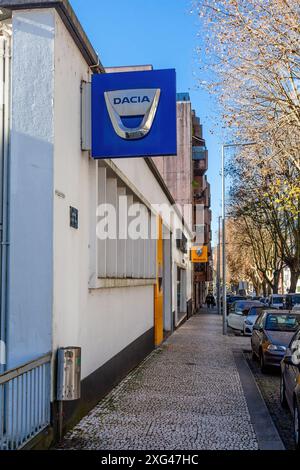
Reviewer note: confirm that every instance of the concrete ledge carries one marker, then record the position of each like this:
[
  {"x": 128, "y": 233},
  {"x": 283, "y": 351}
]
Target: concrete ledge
[
  {"x": 181, "y": 321},
  {"x": 264, "y": 427},
  {"x": 42, "y": 441},
  {"x": 70, "y": 20},
  {"x": 117, "y": 283}
]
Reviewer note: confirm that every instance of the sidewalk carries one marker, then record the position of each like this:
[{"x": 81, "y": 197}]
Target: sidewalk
[{"x": 186, "y": 395}]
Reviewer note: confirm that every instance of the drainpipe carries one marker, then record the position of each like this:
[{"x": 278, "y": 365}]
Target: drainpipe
[{"x": 5, "y": 58}]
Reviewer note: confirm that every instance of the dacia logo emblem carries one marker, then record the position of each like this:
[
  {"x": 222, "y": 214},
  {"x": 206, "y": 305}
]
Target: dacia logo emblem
[{"x": 132, "y": 103}]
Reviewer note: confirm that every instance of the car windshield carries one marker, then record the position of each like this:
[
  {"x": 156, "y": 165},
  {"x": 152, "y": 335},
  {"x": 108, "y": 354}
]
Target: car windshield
[
  {"x": 282, "y": 322},
  {"x": 277, "y": 300},
  {"x": 234, "y": 299},
  {"x": 295, "y": 299},
  {"x": 254, "y": 311},
  {"x": 241, "y": 306}
]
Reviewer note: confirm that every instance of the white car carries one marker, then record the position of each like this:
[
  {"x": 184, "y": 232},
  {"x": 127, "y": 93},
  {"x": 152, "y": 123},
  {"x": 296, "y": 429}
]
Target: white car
[
  {"x": 251, "y": 318},
  {"x": 238, "y": 313},
  {"x": 296, "y": 308}
]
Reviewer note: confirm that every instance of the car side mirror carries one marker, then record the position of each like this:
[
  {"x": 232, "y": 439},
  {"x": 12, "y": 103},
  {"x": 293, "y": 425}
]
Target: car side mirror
[
  {"x": 288, "y": 360},
  {"x": 257, "y": 328}
]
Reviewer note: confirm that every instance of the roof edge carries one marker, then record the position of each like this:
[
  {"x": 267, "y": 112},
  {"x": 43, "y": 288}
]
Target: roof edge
[{"x": 69, "y": 19}]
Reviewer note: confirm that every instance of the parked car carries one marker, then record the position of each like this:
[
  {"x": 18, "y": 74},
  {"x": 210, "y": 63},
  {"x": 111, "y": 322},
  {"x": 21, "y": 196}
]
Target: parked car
[
  {"x": 291, "y": 300},
  {"x": 296, "y": 308},
  {"x": 272, "y": 333},
  {"x": 264, "y": 300},
  {"x": 253, "y": 314},
  {"x": 233, "y": 298},
  {"x": 290, "y": 383},
  {"x": 238, "y": 313},
  {"x": 276, "y": 301}
]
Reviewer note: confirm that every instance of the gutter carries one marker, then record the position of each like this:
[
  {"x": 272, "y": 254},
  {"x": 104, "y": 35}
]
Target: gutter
[{"x": 68, "y": 17}]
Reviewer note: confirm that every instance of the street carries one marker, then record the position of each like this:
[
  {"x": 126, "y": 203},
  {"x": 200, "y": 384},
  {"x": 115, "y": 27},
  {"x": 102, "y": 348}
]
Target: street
[{"x": 186, "y": 395}]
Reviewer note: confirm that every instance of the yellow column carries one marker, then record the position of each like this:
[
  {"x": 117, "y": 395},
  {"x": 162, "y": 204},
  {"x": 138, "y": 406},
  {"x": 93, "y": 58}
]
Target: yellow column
[{"x": 158, "y": 289}]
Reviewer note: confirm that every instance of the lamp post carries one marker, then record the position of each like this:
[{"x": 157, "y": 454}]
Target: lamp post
[
  {"x": 219, "y": 268},
  {"x": 224, "y": 267}
]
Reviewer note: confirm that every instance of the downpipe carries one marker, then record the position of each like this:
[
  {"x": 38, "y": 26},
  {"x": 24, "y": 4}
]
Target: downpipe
[{"x": 5, "y": 74}]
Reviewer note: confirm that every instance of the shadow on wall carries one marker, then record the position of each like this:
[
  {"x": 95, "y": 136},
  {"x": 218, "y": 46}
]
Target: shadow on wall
[{"x": 30, "y": 263}]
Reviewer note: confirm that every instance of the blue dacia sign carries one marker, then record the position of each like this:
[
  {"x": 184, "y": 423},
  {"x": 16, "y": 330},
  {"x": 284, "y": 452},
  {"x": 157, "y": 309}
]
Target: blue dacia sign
[{"x": 134, "y": 114}]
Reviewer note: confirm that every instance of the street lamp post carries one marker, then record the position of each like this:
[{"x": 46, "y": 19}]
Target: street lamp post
[
  {"x": 219, "y": 268},
  {"x": 224, "y": 291},
  {"x": 224, "y": 267}
]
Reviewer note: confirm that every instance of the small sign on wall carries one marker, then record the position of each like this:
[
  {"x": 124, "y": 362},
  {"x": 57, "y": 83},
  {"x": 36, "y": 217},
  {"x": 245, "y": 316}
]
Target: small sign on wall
[
  {"x": 74, "y": 218},
  {"x": 134, "y": 114}
]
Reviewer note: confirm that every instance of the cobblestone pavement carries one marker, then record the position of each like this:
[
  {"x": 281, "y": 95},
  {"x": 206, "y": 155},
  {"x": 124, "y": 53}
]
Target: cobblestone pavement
[
  {"x": 269, "y": 385},
  {"x": 187, "y": 395}
]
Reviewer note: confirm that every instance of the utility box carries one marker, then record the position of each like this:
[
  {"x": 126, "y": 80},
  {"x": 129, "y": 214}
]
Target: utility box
[{"x": 69, "y": 374}]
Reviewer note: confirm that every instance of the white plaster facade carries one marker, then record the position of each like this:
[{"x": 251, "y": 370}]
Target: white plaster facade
[{"x": 60, "y": 262}]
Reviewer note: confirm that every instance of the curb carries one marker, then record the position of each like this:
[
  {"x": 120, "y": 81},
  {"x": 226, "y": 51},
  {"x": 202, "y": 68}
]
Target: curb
[{"x": 264, "y": 427}]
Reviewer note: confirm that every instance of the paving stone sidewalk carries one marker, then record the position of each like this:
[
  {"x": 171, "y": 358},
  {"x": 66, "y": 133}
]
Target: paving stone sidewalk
[{"x": 187, "y": 395}]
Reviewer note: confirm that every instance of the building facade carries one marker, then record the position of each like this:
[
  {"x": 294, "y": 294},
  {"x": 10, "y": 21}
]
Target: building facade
[
  {"x": 63, "y": 285},
  {"x": 186, "y": 178},
  {"x": 203, "y": 273}
]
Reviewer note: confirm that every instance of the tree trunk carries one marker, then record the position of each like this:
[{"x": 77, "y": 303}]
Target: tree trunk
[
  {"x": 294, "y": 281},
  {"x": 276, "y": 282},
  {"x": 264, "y": 287}
]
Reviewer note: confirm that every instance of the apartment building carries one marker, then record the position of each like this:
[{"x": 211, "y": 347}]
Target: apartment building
[
  {"x": 203, "y": 273},
  {"x": 187, "y": 181}
]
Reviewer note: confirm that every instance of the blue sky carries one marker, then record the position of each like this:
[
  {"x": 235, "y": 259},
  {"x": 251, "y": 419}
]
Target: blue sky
[{"x": 162, "y": 33}]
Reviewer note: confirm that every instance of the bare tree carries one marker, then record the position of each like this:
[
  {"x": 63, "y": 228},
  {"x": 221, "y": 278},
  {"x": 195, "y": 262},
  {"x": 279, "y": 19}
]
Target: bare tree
[{"x": 252, "y": 55}]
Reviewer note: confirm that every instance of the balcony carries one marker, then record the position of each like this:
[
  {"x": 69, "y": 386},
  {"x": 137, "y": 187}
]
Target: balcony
[
  {"x": 202, "y": 195},
  {"x": 200, "y": 153},
  {"x": 200, "y": 160},
  {"x": 202, "y": 273},
  {"x": 183, "y": 97},
  {"x": 199, "y": 277},
  {"x": 207, "y": 217}
]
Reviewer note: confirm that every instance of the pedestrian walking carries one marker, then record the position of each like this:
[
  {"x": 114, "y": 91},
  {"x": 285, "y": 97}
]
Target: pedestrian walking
[{"x": 209, "y": 301}]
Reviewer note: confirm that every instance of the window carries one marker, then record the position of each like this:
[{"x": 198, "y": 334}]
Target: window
[
  {"x": 255, "y": 311},
  {"x": 277, "y": 300},
  {"x": 261, "y": 320},
  {"x": 126, "y": 231},
  {"x": 282, "y": 322}
]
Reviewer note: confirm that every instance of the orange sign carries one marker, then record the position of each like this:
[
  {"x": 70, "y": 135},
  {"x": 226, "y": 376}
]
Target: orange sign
[{"x": 199, "y": 254}]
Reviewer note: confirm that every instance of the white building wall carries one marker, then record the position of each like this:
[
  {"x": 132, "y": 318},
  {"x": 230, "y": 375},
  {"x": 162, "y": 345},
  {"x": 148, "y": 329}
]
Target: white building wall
[
  {"x": 102, "y": 321},
  {"x": 52, "y": 271},
  {"x": 30, "y": 270}
]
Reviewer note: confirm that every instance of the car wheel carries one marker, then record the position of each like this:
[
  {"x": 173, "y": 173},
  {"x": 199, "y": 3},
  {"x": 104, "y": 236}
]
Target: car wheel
[
  {"x": 263, "y": 367},
  {"x": 283, "y": 400},
  {"x": 296, "y": 426}
]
